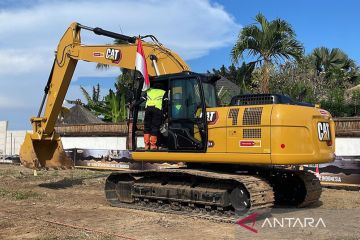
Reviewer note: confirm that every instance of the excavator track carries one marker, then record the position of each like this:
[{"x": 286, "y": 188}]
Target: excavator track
[
  {"x": 263, "y": 189},
  {"x": 293, "y": 188},
  {"x": 220, "y": 197},
  {"x": 313, "y": 188}
]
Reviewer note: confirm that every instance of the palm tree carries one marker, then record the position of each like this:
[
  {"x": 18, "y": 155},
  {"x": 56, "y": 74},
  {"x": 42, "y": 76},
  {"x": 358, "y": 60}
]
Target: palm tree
[
  {"x": 91, "y": 100},
  {"x": 326, "y": 59},
  {"x": 335, "y": 64},
  {"x": 94, "y": 103},
  {"x": 267, "y": 42}
]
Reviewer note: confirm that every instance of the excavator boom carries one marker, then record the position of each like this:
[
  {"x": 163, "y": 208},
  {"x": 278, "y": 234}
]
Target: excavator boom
[{"x": 43, "y": 148}]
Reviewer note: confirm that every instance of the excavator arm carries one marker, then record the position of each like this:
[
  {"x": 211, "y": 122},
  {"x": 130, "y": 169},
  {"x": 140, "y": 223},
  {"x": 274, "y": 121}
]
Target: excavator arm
[{"x": 43, "y": 148}]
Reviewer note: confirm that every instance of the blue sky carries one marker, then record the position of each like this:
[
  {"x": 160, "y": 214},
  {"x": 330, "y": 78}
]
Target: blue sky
[
  {"x": 333, "y": 24},
  {"x": 202, "y": 32}
]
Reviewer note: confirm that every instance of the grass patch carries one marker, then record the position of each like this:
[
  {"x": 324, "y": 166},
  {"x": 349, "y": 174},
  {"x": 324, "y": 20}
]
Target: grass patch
[
  {"x": 19, "y": 195},
  {"x": 8, "y": 172},
  {"x": 85, "y": 173},
  {"x": 3, "y": 192}
]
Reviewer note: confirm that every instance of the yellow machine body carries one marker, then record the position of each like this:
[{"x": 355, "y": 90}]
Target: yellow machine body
[{"x": 275, "y": 134}]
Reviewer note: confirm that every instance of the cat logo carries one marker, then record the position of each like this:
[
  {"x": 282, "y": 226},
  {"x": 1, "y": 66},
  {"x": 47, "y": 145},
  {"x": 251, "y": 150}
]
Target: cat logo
[
  {"x": 113, "y": 54},
  {"x": 324, "y": 131},
  {"x": 212, "y": 117},
  {"x": 211, "y": 144}
]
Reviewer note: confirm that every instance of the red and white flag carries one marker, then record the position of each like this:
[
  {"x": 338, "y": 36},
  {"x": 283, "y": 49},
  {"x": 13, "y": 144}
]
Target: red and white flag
[{"x": 140, "y": 65}]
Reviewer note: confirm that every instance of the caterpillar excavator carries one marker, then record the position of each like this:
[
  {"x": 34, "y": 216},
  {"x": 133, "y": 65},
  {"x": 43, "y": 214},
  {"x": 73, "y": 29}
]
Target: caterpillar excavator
[{"x": 235, "y": 156}]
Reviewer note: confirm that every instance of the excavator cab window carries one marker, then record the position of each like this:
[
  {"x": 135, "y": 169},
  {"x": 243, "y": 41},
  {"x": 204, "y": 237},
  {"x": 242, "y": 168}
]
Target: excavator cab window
[
  {"x": 186, "y": 122},
  {"x": 210, "y": 95}
]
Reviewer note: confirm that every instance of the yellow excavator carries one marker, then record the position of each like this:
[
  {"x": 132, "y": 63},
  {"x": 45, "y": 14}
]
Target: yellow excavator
[{"x": 235, "y": 156}]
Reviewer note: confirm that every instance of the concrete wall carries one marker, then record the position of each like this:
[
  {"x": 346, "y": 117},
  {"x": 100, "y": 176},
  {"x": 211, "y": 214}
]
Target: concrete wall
[
  {"x": 115, "y": 143},
  {"x": 347, "y": 146},
  {"x": 10, "y": 141},
  {"x": 3, "y": 130},
  {"x": 14, "y": 139},
  {"x": 109, "y": 143}
]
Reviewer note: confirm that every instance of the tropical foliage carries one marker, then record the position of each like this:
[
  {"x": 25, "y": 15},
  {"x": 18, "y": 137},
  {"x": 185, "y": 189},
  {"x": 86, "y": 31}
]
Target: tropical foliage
[
  {"x": 112, "y": 107},
  {"x": 303, "y": 81},
  {"x": 278, "y": 65}
]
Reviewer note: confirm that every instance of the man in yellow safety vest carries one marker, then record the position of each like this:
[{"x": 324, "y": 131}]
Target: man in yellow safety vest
[{"x": 154, "y": 98}]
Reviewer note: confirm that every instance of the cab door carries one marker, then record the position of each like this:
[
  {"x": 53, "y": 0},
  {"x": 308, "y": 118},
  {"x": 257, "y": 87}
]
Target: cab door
[{"x": 187, "y": 128}]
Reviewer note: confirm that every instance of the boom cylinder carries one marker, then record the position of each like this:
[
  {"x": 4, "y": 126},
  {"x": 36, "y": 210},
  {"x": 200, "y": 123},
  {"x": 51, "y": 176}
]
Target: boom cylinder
[{"x": 100, "y": 31}]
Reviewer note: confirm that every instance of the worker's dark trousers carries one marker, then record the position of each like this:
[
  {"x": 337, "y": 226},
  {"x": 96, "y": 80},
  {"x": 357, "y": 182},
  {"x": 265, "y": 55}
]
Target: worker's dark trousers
[{"x": 152, "y": 121}]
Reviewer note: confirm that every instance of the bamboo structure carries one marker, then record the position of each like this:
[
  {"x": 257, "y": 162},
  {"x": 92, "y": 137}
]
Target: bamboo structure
[{"x": 347, "y": 127}]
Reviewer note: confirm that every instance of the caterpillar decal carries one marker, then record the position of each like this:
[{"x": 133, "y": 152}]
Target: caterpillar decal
[
  {"x": 212, "y": 117},
  {"x": 113, "y": 54}
]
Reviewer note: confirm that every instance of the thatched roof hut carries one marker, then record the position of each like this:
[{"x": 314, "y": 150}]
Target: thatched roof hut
[{"x": 78, "y": 114}]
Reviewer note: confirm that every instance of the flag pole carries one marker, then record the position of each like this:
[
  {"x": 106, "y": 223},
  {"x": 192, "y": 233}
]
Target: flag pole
[{"x": 131, "y": 144}]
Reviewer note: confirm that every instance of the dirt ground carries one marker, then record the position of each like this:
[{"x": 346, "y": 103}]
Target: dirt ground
[{"x": 70, "y": 205}]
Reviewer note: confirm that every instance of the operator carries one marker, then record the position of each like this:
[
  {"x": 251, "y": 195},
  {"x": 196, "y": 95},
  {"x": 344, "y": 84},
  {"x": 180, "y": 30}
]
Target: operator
[
  {"x": 155, "y": 97},
  {"x": 177, "y": 106}
]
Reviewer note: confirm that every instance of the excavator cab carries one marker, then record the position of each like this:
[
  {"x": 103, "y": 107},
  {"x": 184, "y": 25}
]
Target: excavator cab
[{"x": 184, "y": 127}]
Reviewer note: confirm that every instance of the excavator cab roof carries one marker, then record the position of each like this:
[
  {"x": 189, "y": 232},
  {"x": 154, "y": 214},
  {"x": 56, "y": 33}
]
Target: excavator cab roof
[{"x": 209, "y": 78}]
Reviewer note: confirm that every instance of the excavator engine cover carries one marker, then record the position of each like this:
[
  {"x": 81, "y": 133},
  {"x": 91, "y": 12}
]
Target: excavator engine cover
[{"x": 44, "y": 154}]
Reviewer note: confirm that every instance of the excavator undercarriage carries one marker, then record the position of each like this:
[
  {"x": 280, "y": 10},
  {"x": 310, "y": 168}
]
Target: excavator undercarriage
[{"x": 218, "y": 196}]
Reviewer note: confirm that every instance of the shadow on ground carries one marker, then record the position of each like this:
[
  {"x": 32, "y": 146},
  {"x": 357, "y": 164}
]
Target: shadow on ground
[{"x": 62, "y": 184}]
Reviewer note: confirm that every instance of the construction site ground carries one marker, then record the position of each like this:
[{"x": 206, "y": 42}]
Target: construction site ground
[{"x": 70, "y": 204}]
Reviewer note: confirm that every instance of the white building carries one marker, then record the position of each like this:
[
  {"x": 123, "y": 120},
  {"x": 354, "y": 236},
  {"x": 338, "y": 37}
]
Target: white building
[{"x": 10, "y": 140}]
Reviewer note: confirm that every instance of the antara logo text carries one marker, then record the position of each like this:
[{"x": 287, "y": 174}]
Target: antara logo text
[{"x": 284, "y": 222}]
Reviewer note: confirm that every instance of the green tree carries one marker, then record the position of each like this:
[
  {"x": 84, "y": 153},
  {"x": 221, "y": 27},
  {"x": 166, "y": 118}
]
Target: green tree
[
  {"x": 326, "y": 59},
  {"x": 335, "y": 64},
  {"x": 355, "y": 102},
  {"x": 112, "y": 107},
  {"x": 93, "y": 102},
  {"x": 241, "y": 76},
  {"x": 299, "y": 81},
  {"x": 268, "y": 42}
]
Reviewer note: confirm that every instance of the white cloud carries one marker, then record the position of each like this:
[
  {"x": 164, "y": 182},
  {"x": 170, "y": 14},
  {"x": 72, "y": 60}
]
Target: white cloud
[
  {"x": 17, "y": 62},
  {"x": 7, "y": 102},
  {"x": 29, "y": 36}
]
